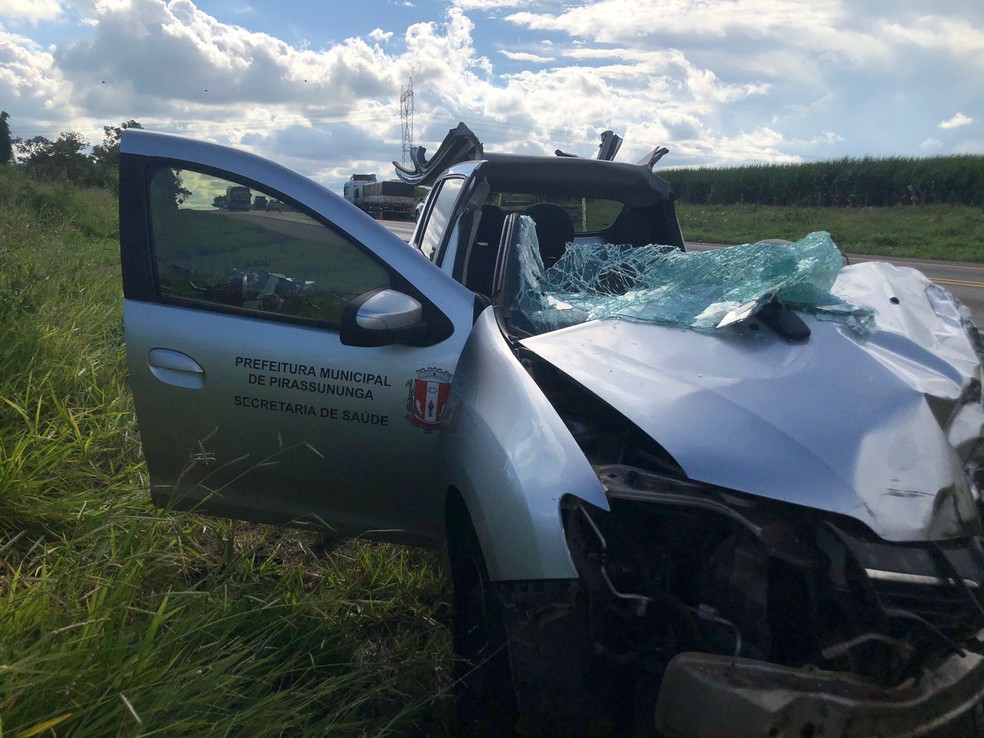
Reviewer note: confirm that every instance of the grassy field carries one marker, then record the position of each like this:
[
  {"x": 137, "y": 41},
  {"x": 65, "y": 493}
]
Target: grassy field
[
  {"x": 120, "y": 619},
  {"x": 952, "y": 232}
]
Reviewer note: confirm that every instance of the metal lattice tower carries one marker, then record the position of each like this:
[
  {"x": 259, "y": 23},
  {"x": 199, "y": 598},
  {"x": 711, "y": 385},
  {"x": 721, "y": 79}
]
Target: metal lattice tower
[{"x": 406, "y": 118}]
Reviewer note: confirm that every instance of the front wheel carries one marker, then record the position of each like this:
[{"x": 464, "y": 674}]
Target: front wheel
[{"x": 486, "y": 703}]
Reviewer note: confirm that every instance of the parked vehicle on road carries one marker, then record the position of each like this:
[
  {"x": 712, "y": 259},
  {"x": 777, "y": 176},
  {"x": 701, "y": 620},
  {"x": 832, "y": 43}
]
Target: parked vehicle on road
[
  {"x": 389, "y": 200},
  {"x": 722, "y": 494},
  {"x": 237, "y": 198}
]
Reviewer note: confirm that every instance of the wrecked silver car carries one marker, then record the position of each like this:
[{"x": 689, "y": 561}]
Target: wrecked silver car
[{"x": 706, "y": 494}]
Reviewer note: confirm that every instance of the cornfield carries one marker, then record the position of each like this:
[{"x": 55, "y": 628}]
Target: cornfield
[{"x": 865, "y": 182}]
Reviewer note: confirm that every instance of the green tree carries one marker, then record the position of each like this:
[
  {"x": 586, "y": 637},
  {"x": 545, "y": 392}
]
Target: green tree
[
  {"x": 63, "y": 158},
  {"x": 34, "y": 154},
  {"x": 6, "y": 143},
  {"x": 167, "y": 191},
  {"x": 107, "y": 154},
  {"x": 33, "y": 149}
]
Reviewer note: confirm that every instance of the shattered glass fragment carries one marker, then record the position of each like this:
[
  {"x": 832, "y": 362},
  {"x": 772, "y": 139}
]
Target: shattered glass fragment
[{"x": 660, "y": 284}]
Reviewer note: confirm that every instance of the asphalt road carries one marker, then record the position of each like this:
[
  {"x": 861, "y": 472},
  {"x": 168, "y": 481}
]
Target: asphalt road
[
  {"x": 402, "y": 228},
  {"x": 964, "y": 280}
]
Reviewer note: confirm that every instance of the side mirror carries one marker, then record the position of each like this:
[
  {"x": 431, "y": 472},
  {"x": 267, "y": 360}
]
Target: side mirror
[{"x": 383, "y": 318}]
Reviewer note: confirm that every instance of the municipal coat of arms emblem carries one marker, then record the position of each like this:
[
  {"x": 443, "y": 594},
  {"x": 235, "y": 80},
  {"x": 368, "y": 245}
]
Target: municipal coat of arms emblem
[{"x": 427, "y": 396}]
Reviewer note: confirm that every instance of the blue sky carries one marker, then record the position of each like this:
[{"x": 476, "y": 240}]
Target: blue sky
[{"x": 316, "y": 85}]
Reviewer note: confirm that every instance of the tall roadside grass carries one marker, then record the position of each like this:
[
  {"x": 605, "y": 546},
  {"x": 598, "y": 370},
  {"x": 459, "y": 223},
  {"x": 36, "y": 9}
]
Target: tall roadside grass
[
  {"x": 117, "y": 619},
  {"x": 864, "y": 182}
]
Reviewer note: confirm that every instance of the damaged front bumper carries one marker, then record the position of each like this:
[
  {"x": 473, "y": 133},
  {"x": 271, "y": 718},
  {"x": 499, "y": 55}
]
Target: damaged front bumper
[{"x": 712, "y": 696}]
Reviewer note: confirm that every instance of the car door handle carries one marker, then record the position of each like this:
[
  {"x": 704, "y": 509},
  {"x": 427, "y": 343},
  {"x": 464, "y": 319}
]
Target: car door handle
[{"x": 176, "y": 368}]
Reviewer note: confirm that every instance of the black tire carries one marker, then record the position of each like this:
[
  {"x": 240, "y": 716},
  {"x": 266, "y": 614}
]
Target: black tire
[{"x": 486, "y": 704}]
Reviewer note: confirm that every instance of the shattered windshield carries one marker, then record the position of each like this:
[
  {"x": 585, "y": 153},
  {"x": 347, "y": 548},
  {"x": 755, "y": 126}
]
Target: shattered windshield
[{"x": 701, "y": 290}]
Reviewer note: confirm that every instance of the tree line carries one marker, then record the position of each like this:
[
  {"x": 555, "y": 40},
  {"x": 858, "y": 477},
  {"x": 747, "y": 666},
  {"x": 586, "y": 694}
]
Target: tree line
[{"x": 69, "y": 157}]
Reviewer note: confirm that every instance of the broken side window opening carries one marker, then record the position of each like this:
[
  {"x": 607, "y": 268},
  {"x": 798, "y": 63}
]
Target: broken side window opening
[
  {"x": 589, "y": 215},
  {"x": 701, "y": 290}
]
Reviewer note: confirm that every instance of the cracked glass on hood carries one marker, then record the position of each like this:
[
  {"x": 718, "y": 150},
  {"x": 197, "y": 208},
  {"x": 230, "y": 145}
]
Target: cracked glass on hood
[{"x": 702, "y": 290}]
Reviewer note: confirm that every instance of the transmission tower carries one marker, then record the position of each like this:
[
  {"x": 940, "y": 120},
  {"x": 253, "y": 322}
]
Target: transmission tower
[{"x": 406, "y": 118}]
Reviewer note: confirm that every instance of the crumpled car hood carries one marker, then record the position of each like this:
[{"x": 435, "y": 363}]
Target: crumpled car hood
[{"x": 880, "y": 426}]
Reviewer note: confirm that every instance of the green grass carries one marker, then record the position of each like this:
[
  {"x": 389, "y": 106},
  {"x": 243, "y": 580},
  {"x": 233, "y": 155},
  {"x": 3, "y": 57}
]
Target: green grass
[
  {"x": 120, "y": 619},
  {"x": 953, "y": 232}
]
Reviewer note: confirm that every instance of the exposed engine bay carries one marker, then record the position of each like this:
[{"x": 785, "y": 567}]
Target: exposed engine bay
[
  {"x": 727, "y": 578},
  {"x": 719, "y": 574}
]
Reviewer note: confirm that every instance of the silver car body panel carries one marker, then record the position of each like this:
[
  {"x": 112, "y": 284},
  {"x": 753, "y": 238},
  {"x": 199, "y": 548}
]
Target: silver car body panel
[
  {"x": 511, "y": 457},
  {"x": 224, "y": 410},
  {"x": 879, "y": 427},
  {"x": 345, "y": 464}
]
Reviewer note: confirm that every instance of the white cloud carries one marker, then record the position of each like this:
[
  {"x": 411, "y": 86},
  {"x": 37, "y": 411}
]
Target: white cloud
[
  {"x": 617, "y": 21},
  {"x": 822, "y": 32},
  {"x": 665, "y": 71},
  {"x": 956, "y": 122},
  {"x": 31, "y": 86},
  {"x": 30, "y": 10},
  {"x": 178, "y": 57},
  {"x": 380, "y": 36},
  {"x": 488, "y": 4},
  {"x": 109, "y": 6},
  {"x": 931, "y": 144},
  {"x": 971, "y": 146},
  {"x": 715, "y": 149},
  {"x": 524, "y": 56},
  {"x": 940, "y": 33}
]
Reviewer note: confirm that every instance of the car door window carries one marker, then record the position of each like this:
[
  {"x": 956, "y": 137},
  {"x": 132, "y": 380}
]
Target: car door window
[
  {"x": 440, "y": 213},
  {"x": 228, "y": 245}
]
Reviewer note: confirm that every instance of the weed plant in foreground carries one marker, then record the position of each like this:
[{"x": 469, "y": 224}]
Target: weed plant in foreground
[{"x": 120, "y": 619}]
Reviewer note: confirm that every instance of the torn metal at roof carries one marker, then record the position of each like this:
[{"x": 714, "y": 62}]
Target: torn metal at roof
[
  {"x": 459, "y": 145},
  {"x": 561, "y": 176}
]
